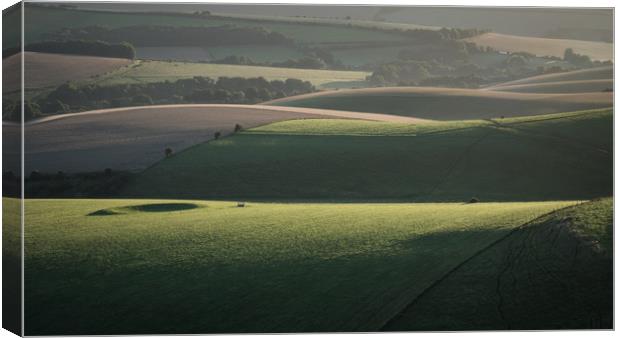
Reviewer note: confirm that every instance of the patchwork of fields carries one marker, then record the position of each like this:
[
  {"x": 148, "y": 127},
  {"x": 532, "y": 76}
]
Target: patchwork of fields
[
  {"x": 368, "y": 205},
  {"x": 134, "y": 138}
]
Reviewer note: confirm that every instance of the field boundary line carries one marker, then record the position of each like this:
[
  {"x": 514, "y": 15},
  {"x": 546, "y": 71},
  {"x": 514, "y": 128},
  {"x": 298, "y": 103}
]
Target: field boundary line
[{"x": 469, "y": 259}]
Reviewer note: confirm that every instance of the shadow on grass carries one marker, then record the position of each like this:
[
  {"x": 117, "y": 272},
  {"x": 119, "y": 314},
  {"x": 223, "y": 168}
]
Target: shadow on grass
[{"x": 151, "y": 207}]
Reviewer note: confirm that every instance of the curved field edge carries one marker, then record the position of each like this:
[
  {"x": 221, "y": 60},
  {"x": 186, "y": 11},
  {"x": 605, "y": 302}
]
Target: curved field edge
[
  {"x": 554, "y": 273},
  {"x": 54, "y": 141},
  {"x": 578, "y": 86},
  {"x": 598, "y": 73},
  {"x": 447, "y": 103},
  {"x": 566, "y": 156},
  {"x": 266, "y": 267}
]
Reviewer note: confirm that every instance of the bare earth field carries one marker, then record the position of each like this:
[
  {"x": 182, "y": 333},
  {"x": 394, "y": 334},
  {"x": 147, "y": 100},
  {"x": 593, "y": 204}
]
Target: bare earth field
[
  {"x": 135, "y": 137},
  {"x": 601, "y": 51},
  {"x": 579, "y": 86},
  {"x": 447, "y": 103},
  {"x": 44, "y": 70}
]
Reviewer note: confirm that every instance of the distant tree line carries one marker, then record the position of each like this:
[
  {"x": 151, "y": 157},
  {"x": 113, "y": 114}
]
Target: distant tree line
[
  {"x": 459, "y": 33},
  {"x": 577, "y": 59},
  {"x": 315, "y": 58},
  {"x": 306, "y": 62},
  {"x": 175, "y": 35},
  {"x": 463, "y": 75},
  {"x": 71, "y": 98},
  {"x": 445, "y": 51},
  {"x": 80, "y": 47},
  {"x": 400, "y": 73}
]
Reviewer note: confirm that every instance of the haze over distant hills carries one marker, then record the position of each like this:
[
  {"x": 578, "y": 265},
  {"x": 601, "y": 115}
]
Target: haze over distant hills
[{"x": 566, "y": 23}]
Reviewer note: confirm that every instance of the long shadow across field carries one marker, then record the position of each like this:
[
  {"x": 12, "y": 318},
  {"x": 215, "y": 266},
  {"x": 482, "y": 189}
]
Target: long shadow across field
[
  {"x": 547, "y": 275},
  {"x": 357, "y": 292}
]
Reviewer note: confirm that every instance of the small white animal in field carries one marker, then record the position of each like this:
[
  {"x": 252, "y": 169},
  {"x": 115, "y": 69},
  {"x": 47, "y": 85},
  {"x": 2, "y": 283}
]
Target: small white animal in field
[{"x": 240, "y": 204}]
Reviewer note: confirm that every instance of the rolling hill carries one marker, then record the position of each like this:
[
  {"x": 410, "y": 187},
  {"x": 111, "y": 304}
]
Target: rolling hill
[
  {"x": 157, "y": 266},
  {"x": 447, "y": 103},
  {"x": 46, "y": 70},
  {"x": 133, "y": 138},
  {"x": 554, "y": 157}
]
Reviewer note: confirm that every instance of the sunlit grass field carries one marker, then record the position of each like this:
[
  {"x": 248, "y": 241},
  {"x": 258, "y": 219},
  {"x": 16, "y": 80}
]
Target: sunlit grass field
[
  {"x": 158, "y": 71},
  {"x": 552, "y": 157},
  {"x": 153, "y": 266}
]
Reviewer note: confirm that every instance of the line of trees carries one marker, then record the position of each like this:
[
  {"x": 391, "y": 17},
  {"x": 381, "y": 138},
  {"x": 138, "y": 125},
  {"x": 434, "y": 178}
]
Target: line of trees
[
  {"x": 306, "y": 62},
  {"x": 153, "y": 36},
  {"x": 71, "y": 98},
  {"x": 123, "y": 49},
  {"x": 82, "y": 47}
]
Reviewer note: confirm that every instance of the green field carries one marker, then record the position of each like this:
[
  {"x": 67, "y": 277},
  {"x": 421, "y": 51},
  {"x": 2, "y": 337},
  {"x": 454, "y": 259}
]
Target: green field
[
  {"x": 553, "y": 157},
  {"x": 301, "y": 256},
  {"x": 446, "y": 103},
  {"x": 556, "y": 273},
  {"x": 152, "y": 266},
  {"x": 158, "y": 71}
]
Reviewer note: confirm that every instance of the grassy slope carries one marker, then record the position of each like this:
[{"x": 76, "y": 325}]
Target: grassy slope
[
  {"x": 564, "y": 156},
  {"x": 447, "y": 103},
  {"x": 553, "y": 274},
  {"x": 156, "y": 71},
  {"x": 262, "y": 268},
  {"x": 11, "y": 265}
]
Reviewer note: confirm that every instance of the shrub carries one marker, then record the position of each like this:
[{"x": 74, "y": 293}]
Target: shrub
[
  {"x": 238, "y": 127},
  {"x": 35, "y": 175},
  {"x": 474, "y": 200},
  {"x": 217, "y": 135},
  {"x": 168, "y": 152}
]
